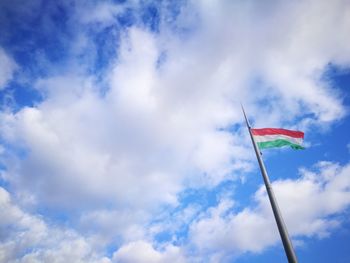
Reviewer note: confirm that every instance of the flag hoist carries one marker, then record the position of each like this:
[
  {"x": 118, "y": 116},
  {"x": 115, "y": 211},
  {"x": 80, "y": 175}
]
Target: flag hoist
[{"x": 267, "y": 138}]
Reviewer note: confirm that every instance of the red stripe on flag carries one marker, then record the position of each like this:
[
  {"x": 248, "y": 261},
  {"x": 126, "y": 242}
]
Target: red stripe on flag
[{"x": 275, "y": 131}]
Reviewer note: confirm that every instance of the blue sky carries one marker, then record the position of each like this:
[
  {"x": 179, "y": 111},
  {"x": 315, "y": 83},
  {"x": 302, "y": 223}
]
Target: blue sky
[{"x": 122, "y": 137}]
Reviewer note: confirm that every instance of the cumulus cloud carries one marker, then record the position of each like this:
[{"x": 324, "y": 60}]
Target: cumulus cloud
[
  {"x": 166, "y": 117},
  {"x": 142, "y": 251},
  {"x": 33, "y": 240},
  {"x": 155, "y": 118},
  {"x": 322, "y": 193},
  {"x": 121, "y": 145},
  {"x": 284, "y": 51}
]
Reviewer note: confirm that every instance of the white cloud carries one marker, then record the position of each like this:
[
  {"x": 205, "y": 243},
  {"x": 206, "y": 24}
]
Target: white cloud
[
  {"x": 154, "y": 120},
  {"x": 162, "y": 127},
  {"x": 121, "y": 146},
  {"x": 142, "y": 251},
  {"x": 27, "y": 238},
  {"x": 126, "y": 224},
  {"x": 8, "y": 67},
  {"x": 309, "y": 206},
  {"x": 285, "y": 47}
]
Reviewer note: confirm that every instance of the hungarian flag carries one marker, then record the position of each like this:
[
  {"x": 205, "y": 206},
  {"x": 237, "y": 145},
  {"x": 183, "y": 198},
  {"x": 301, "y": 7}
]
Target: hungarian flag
[{"x": 273, "y": 137}]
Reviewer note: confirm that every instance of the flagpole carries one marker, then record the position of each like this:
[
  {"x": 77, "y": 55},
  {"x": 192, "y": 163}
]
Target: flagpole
[{"x": 287, "y": 244}]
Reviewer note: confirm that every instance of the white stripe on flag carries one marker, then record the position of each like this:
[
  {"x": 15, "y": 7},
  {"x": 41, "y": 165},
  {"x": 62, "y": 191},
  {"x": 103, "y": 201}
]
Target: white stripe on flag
[{"x": 267, "y": 138}]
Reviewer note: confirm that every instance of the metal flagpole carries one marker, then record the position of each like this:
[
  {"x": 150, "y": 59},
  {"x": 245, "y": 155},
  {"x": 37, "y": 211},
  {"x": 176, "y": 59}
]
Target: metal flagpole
[{"x": 288, "y": 247}]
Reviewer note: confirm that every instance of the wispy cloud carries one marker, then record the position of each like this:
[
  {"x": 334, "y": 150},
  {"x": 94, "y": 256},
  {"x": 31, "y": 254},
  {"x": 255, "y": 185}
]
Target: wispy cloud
[{"x": 8, "y": 68}]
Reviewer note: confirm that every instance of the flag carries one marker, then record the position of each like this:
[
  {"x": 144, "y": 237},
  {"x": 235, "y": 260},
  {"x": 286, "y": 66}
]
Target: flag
[{"x": 274, "y": 137}]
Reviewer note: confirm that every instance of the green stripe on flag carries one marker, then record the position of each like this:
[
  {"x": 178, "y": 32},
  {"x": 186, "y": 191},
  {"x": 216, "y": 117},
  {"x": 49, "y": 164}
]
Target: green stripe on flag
[{"x": 279, "y": 143}]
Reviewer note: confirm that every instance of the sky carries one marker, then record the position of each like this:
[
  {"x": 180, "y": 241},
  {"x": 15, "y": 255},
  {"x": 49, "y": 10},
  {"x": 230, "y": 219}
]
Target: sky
[{"x": 122, "y": 137}]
